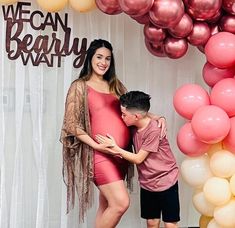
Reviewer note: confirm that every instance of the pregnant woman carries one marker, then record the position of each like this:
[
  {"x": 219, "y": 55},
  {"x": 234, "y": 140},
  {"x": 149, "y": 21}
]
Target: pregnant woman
[{"x": 92, "y": 107}]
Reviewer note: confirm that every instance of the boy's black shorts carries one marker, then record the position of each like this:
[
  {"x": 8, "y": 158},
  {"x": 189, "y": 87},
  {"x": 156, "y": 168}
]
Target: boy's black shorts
[{"x": 165, "y": 203}]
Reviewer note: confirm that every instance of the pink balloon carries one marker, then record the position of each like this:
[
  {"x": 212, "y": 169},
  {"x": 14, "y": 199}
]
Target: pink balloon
[
  {"x": 110, "y": 7},
  {"x": 183, "y": 28},
  {"x": 227, "y": 23},
  {"x": 229, "y": 141},
  {"x": 212, "y": 74},
  {"x": 166, "y": 13},
  {"x": 203, "y": 9},
  {"x": 154, "y": 34},
  {"x": 188, "y": 142},
  {"x": 143, "y": 19},
  {"x": 223, "y": 95},
  {"x": 137, "y": 7},
  {"x": 220, "y": 50},
  {"x": 229, "y": 6},
  {"x": 210, "y": 124},
  {"x": 200, "y": 34},
  {"x": 175, "y": 48},
  {"x": 188, "y": 98},
  {"x": 155, "y": 49}
]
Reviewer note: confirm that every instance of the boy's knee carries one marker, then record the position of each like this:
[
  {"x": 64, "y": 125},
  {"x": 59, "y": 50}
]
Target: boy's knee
[{"x": 153, "y": 223}]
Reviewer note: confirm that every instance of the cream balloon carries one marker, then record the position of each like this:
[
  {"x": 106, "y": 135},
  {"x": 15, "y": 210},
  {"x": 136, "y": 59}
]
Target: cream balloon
[
  {"x": 232, "y": 184},
  {"x": 52, "y": 5},
  {"x": 201, "y": 204},
  {"x": 8, "y": 2},
  {"x": 225, "y": 215},
  {"x": 213, "y": 224},
  {"x": 83, "y": 5},
  {"x": 204, "y": 221},
  {"x": 195, "y": 170},
  {"x": 217, "y": 191},
  {"x": 222, "y": 163}
]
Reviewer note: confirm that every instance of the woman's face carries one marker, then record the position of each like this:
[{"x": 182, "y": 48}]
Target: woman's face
[{"x": 100, "y": 61}]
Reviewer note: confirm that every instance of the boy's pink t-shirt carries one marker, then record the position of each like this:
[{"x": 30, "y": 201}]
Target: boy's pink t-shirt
[{"x": 159, "y": 170}]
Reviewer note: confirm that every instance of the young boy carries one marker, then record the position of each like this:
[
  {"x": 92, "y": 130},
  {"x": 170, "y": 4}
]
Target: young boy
[{"x": 156, "y": 164}]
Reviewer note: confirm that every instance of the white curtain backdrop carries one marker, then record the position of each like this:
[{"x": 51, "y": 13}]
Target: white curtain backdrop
[{"x": 32, "y": 192}]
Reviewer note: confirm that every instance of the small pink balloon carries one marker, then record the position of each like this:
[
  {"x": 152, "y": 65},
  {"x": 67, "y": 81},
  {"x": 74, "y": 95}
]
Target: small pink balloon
[
  {"x": 143, "y": 19},
  {"x": 229, "y": 6},
  {"x": 110, "y": 7},
  {"x": 183, "y": 28},
  {"x": 155, "y": 49},
  {"x": 227, "y": 23},
  {"x": 203, "y": 9},
  {"x": 175, "y": 48},
  {"x": 229, "y": 142},
  {"x": 189, "y": 144},
  {"x": 166, "y": 13},
  {"x": 220, "y": 50},
  {"x": 223, "y": 95},
  {"x": 200, "y": 34},
  {"x": 137, "y": 7},
  {"x": 212, "y": 74},
  {"x": 210, "y": 124},
  {"x": 154, "y": 34},
  {"x": 189, "y": 98}
]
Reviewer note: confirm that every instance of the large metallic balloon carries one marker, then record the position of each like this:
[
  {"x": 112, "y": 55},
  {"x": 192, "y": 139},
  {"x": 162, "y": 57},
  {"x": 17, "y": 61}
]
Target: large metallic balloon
[
  {"x": 203, "y": 9},
  {"x": 136, "y": 7},
  {"x": 200, "y": 34},
  {"x": 156, "y": 50},
  {"x": 227, "y": 23},
  {"x": 166, "y": 13},
  {"x": 154, "y": 34},
  {"x": 229, "y": 6},
  {"x": 175, "y": 48},
  {"x": 110, "y": 7},
  {"x": 143, "y": 19},
  {"x": 183, "y": 28}
]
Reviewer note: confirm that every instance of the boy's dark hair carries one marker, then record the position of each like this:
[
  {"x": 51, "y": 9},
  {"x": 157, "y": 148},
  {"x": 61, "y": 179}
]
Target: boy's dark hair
[{"x": 136, "y": 100}]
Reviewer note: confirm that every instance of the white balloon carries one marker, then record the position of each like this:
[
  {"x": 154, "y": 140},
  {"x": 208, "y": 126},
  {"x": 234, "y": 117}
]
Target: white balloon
[
  {"x": 217, "y": 190},
  {"x": 202, "y": 205},
  {"x": 225, "y": 215},
  {"x": 213, "y": 224},
  {"x": 222, "y": 163},
  {"x": 195, "y": 170},
  {"x": 232, "y": 184}
]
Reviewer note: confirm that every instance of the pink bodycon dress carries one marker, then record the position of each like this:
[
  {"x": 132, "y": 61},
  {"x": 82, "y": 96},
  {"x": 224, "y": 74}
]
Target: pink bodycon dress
[{"x": 105, "y": 116}]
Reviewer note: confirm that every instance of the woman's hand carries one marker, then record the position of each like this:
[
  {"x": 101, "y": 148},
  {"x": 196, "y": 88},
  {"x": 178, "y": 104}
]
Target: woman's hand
[{"x": 162, "y": 124}]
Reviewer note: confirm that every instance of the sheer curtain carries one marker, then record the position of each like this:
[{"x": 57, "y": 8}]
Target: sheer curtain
[{"x": 32, "y": 192}]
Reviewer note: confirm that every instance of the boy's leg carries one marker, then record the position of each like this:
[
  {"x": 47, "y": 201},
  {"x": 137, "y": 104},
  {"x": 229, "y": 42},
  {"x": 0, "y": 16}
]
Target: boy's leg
[
  {"x": 153, "y": 223},
  {"x": 171, "y": 207}
]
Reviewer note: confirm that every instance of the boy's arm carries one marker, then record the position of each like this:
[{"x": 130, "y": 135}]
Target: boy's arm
[{"x": 131, "y": 157}]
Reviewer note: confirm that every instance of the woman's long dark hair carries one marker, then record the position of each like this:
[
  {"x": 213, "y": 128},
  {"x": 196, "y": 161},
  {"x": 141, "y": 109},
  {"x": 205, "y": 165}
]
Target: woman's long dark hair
[{"x": 110, "y": 76}]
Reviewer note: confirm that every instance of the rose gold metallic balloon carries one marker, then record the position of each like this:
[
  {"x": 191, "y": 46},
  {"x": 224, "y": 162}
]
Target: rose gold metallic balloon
[
  {"x": 227, "y": 23},
  {"x": 200, "y": 34},
  {"x": 155, "y": 49},
  {"x": 143, "y": 19},
  {"x": 154, "y": 34},
  {"x": 166, "y": 13},
  {"x": 175, "y": 48},
  {"x": 229, "y": 6},
  {"x": 214, "y": 29},
  {"x": 136, "y": 7},
  {"x": 216, "y": 17},
  {"x": 203, "y": 9},
  {"x": 183, "y": 28},
  {"x": 110, "y": 7}
]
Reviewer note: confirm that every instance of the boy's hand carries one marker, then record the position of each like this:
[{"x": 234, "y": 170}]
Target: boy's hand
[{"x": 109, "y": 142}]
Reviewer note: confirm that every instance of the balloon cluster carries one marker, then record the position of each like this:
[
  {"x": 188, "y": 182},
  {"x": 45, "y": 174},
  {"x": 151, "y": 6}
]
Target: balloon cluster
[
  {"x": 57, "y": 5},
  {"x": 170, "y": 25},
  {"x": 208, "y": 141}
]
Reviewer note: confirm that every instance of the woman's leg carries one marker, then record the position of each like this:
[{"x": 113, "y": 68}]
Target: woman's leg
[{"x": 114, "y": 201}]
